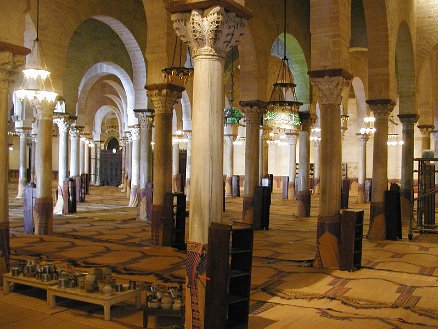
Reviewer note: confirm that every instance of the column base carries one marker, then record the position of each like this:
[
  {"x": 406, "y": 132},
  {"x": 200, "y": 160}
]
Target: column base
[
  {"x": 316, "y": 186},
  {"x": 248, "y": 209},
  {"x": 328, "y": 234},
  {"x": 157, "y": 212},
  {"x": 4, "y": 249},
  {"x": 229, "y": 187},
  {"x": 291, "y": 191},
  {"x": 377, "y": 230},
  {"x": 133, "y": 198},
  {"x": 21, "y": 185},
  {"x": 303, "y": 203},
  {"x": 361, "y": 193},
  {"x": 128, "y": 188},
  {"x": 43, "y": 216},
  {"x": 195, "y": 286},
  {"x": 59, "y": 207}
]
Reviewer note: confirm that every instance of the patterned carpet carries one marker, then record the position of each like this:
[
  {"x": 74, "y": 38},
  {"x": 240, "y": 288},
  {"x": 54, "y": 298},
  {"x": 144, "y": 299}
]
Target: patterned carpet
[{"x": 397, "y": 288}]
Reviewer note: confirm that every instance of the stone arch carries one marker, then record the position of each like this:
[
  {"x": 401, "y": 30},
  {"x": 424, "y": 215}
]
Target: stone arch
[
  {"x": 136, "y": 56},
  {"x": 120, "y": 91},
  {"x": 99, "y": 70},
  {"x": 380, "y": 84},
  {"x": 100, "y": 115},
  {"x": 297, "y": 64},
  {"x": 359, "y": 93},
  {"x": 405, "y": 70}
]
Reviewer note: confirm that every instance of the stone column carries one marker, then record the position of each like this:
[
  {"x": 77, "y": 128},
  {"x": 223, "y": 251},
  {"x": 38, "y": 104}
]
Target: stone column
[
  {"x": 264, "y": 152},
  {"x": 93, "y": 163},
  {"x": 34, "y": 139},
  {"x": 363, "y": 138},
  {"x": 407, "y": 166},
  {"x": 425, "y": 135},
  {"x": 175, "y": 166},
  {"x": 330, "y": 84},
  {"x": 253, "y": 111},
  {"x": 22, "y": 179},
  {"x": 435, "y": 142},
  {"x": 381, "y": 110},
  {"x": 188, "y": 135},
  {"x": 210, "y": 32},
  {"x": 128, "y": 163},
  {"x": 9, "y": 62},
  {"x": 123, "y": 145},
  {"x": 145, "y": 120},
  {"x": 163, "y": 96},
  {"x": 74, "y": 151},
  {"x": 43, "y": 210},
  {"x": 292, "y": 139},
  {"x": 63, "y": 125},
  {"x": 316, "y": 144},
  {"x": 81, "y": 154},
  {"x": 97, "y": 146},
  {"x": 303, "y": 195},
  {"x": 86, "y": 156},
  {"x": 135, "y": 175},
  {"x": 229, "y": 159}
]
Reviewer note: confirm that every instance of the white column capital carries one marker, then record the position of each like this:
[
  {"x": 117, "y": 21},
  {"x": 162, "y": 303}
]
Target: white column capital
[
  {"x": 229, "y": 139},
  {"x": 210, "y": 32},
  {"x": 363, "y": 139},
  {"x": 75, "y": 132},
  {"x": 9, "y": 63},
  {"x": 63, "y": 124},
  {"x": 145, "y": 118},
  {"x": 292, "y": 138},
  {"x": 43, "y": 110},
  {"x": 135, "y": 133}
]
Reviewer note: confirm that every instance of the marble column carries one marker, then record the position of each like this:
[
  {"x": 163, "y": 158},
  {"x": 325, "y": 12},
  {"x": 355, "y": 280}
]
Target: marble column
[
  {"x": 188, "y": 134},
  {"x": 253, "y": 111},
  {"x": 123, "y": 145},
  {"x": 93, "y": 163},
  {"x": 381, "y": 109},
  {"x": 9, "y": 62},
  {"x": 292, "y": 140},
  {"x": 316, "y": 166},
  {"x": 145, "y": 119},
  {"x": 63, "y": 124},
  {"x": 163, "y": 97},
  {"x": 128, "y": 164},
  {"x": 97, "y": 146},
  {"x": 135, "y": 174},
  {"x": 363, "y": 138},
  {"x": 407, "y": 166},
  {"x": 303, "y": 195},
  {"x": 175, "y": 166},
  {"x": 229, "y": 159},
  {"x": 330, "y": 84},
  {"x": 81, "y": 154},
  {"x": 435, "y": 143},
  {"x": 34, "y": 139},
  {"x": 425, "y": 130},
  {"x": 74, "y": 151},
  {"x": 22, "y": 177},
  {"x": 264, "y": 153},
  {"x": 43, "y": 210}
]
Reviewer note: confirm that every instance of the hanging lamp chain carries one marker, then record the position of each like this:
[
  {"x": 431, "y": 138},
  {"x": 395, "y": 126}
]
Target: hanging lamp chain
[{"x": 38, "y": 21}]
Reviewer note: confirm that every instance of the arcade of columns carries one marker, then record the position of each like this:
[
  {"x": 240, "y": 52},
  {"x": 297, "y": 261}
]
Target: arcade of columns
[{"x": 204, "y": 155}]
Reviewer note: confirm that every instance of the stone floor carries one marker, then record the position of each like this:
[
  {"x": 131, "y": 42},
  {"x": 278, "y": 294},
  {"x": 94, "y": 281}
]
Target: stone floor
[{"x": 397, "y": 287}]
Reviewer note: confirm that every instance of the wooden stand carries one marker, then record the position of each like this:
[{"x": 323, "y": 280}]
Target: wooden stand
[
  {"x": 351, "y": 240},
  {"x": 173, "y": 223},
  {"x": 229, "y": 276}
]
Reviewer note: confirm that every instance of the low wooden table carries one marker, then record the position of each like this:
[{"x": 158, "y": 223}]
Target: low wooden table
[
  {"x": 27, "y": 281},
  {"x": 93, "y": 298}
]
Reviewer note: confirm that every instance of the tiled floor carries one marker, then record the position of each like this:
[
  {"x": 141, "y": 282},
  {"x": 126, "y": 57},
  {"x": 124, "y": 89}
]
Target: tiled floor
[{"x": 397, "y": 288}]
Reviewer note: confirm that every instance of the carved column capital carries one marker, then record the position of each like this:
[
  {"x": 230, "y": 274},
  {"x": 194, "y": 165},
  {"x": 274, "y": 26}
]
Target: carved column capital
[
  {"x": 164, "y": 96},
  {"x": 381, "y": 108},
  {"x": 425, "y": 130},
  {"x": 253, "y": 110},
  {"x": 307, "y": 120},
  {"x": 145, "y": 118},
  {"x": 292, "y": 138},
  {"x": 43, "y": 110},
  {"x": 330, "y": 88},
  {"x": 209, "y": 32},
  {"x": 135, "y": 133},
  {"x": 63, "y": 124},
  {"x": 362, "y": 138},
  {"x": 229, "y": 139},
  {"x": 75, "y": 132}
]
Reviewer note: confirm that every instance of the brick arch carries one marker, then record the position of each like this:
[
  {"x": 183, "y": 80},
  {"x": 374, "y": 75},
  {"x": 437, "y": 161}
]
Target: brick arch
[
  {"x": 100, "y": 115},
  {"x": 359, "y": 93},
  {"x": 380, "y": 84},
  {"x": 405, "y": 70},
  {"x": 136, "y": 56},
  {"x": 96, "y": 72}
]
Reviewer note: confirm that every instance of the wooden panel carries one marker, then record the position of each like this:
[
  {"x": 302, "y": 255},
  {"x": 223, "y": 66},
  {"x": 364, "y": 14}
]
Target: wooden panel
[{"x": 351, "y": 239}]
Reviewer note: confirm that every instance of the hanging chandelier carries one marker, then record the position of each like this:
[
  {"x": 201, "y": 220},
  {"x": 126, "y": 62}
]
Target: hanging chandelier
[
  {"x": 393, "y": 136},
  {"x": 36, "y": 75},
  {"x": 232, "y": 115},
  {"x": 283, "y": 106},
  {"x": 180, "y": 72},
  {"x": 368, "y": 126}
]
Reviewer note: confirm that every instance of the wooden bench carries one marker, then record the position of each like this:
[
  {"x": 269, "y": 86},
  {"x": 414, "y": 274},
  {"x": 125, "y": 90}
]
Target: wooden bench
[
  {"x": 27, "y": 281},
  {"x": 93, "y": 298}
]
